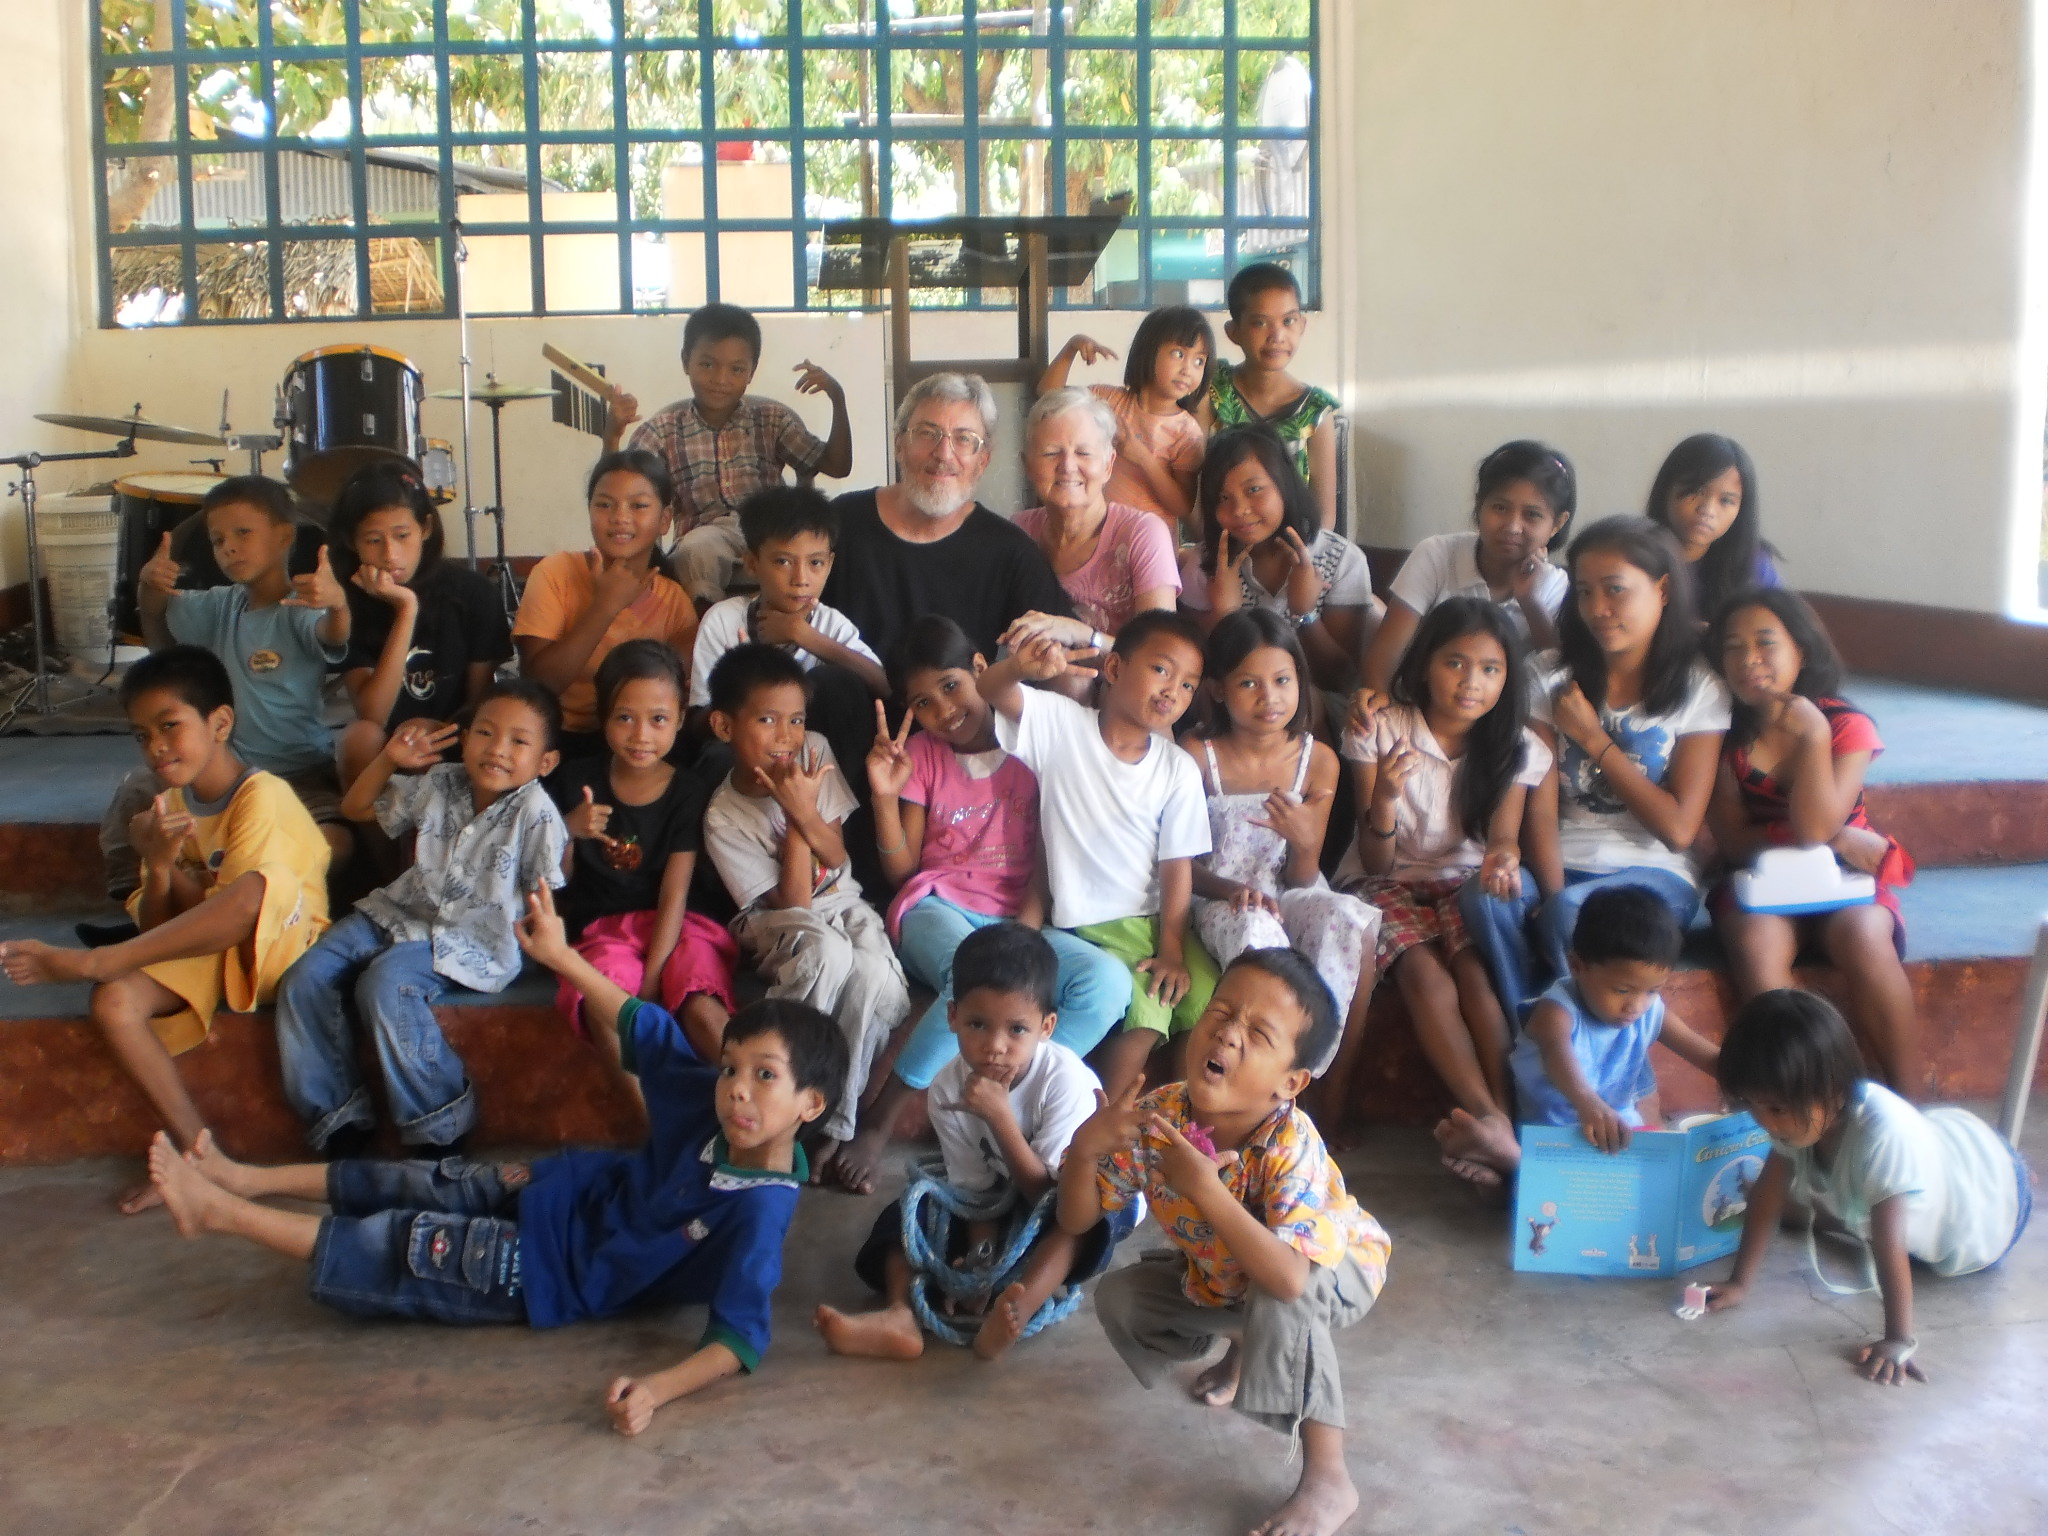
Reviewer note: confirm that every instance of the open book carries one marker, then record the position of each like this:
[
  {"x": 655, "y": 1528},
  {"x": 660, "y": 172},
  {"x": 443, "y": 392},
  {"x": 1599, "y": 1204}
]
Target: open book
[{"x": 1670, "y": 1200}]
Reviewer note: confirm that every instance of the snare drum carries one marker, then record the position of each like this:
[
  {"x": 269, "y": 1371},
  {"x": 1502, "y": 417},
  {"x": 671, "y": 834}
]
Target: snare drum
[
  {"x": 151, "y": 506},
  {"x": 437, "y": 469},
  {"x": 345, "y": 407}
]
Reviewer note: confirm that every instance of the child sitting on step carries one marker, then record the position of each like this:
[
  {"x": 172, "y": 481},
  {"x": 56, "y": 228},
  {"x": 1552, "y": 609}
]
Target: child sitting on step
[
  {"x": 695, "y": 1215},
  {"x": 1004, "y": 1110},
  {"x": 234, "y": 889}
]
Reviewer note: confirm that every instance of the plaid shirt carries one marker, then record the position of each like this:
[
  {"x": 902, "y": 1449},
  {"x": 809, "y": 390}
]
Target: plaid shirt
[{"x": 716, "y": 468}]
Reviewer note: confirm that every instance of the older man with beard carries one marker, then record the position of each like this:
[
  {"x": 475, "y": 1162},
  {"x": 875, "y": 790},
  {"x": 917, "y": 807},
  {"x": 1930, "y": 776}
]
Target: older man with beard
[{"x": 925, "y": 545}]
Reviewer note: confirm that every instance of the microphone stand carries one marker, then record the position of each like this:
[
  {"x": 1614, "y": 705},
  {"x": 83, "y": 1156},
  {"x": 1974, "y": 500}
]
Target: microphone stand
[{"x": 469, "y": 510}]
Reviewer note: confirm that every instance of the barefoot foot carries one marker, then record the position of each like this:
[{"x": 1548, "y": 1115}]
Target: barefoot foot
[
  {"x": 1004, "y": 1325},
  {"x": 183, "y": 1187},
  {"x": 855, "y": 1164},
  {"x": 890, "y": 1334},
  {"x": 1479, "y": 1175},
  {"x": 141, "y": 1197},
  {"x": 31, "y": 962},
  {"x": 218, "y": 1168},
  {"x": 1217, "y": 1386},
  {"x": 1321, "y": 1503},
  {"x": 1488, "y": 1139}
]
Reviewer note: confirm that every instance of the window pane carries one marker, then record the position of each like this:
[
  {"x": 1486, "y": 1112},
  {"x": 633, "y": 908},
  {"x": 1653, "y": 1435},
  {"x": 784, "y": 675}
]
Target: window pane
[
  {"x": 582, "y": 270},
  {"x": 754, "y": 270},
  {"x": 1100, "y": 18},
  {"x": 147, "y": 290},
  {"x": 223, "y": 23},
  {"x": 140, "y": 105},
  {"x": 575, "y": 91},
  {"x": 579, "y": 170},
  {"x": 312, "y": 99},
  {"x": 1187, "y": 266},
  {"x": 1098, "y": 169},
  {"x": 925, "y": 82},
  {"x": 572, "y": 20},
  {"x": 1187, "y": 18},
  {"x": 1187, "y": 179},
  {"x": 487, "y": 93},
  {"x": 319, "y": 278},
  {"x": 1007, "y": 166},
  {"x": 397, "y": 21},
  {"x": 749, "y": 18},
  {"x": 661, "y": 18},
  {"x": 308, "y": 23},
  {"x": 835, "y": 174},
  {"x": 668, "y": 181},
  {"x": 405, "y": 277},
  {"x": 234, "y": 281},
  {"x": 226, "y": 98},
  {"x": 1187, "y": 88},
  {"x": 133, "y": 29},
  {"x": 836, "y": 85},
  {"x": 1102, "y": 87},
  {"x": 837, "y": 18},
  {"x": 1273, "y": 90},
  {"x": 1273, "y": 18},
  {"x": 400, "y": 96},
  {"x": 1013, "y": 79},
  {"x": 499, "y": 274},
  {"x": 751, "y": 88},
  {"x": 228, "y": 192},
  {"x": 404, "y": 182},
  {"x": 662, "y": 90},
  {"x": 491, "y": 184},
  {"x": 683, "y": 255},
  {"x": 927, "y": 178},
  {"x": 142, "y": 193},
  {"x": 485, "y": 21},
  {"x": 316, "y": 188}
]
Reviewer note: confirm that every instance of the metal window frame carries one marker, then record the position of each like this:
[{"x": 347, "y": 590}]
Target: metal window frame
[{"x": 792, "y": 43}]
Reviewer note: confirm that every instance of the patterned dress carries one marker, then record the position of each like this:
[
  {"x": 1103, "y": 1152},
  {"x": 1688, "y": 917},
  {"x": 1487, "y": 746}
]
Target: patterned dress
[{"x": 1294, "y": 423}]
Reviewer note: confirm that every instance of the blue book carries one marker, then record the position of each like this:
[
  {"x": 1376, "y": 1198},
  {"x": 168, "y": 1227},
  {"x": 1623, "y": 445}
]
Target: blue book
[{"x": 1668, "y": 1201}]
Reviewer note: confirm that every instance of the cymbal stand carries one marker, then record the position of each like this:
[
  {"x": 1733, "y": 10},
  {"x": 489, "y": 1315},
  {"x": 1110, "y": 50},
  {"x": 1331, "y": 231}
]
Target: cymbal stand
[
  {"x": 501, "y": 568},
  {"x": 27, "y": 463},
  {"x": 469, "y": 510}
]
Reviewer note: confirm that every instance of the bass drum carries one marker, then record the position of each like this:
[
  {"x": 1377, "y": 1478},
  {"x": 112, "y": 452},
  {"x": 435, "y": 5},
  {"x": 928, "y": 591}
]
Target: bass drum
[
  {"x": 151, "y": 506},
  {"x": 345, "y": 407}
]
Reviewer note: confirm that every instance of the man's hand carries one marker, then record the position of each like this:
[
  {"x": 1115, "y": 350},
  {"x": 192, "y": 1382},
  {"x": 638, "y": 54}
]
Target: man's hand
[
  {"x": 318, "y": 589},
  {"x": 417, "y": 745},
  {"x": 772, "y": 627},
  {"x": 813, "y": 380},
  {"x": 795, "y": 784},
  {"x": 625, "y": 410},
  {"x": 630, "y": 1404},
  {"x": 1366, "y": 705},
  {"x": 1043, "y": 658},
  {"x": 986, "y": 1099}
]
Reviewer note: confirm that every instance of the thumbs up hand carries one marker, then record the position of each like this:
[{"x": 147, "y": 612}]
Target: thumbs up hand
[
  {"x": 161, "y": 572},
  {"x": 318, "y": 590}
]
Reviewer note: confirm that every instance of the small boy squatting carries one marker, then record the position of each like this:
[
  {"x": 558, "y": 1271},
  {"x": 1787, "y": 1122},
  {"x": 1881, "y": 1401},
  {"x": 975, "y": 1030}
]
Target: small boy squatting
[
  {"x": 696, "y": 1215},
  {"x": 1268, "y": 1247}
]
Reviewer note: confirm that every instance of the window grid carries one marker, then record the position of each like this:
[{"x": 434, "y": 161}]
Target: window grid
[{"x": 882, "y": 50}]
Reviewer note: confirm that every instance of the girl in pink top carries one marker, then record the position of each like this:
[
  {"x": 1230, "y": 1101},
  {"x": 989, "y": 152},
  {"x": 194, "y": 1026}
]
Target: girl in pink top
[
  {"x": 1158, "y": 440},
  {"x": 956, "y": 826}
]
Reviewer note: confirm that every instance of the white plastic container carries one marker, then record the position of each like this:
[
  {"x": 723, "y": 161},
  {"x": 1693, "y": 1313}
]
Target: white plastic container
[{"x": 80, "y": 538}]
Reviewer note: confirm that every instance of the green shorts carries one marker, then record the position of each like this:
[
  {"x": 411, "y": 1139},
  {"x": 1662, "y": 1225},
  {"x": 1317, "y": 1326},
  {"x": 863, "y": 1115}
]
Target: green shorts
[{"x": 1131, "y": 939}]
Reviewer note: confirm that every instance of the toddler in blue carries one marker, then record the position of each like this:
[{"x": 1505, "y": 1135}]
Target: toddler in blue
[
  {"x": 696, "y": 1216},
  {"x": 1583, "y": 1057}
]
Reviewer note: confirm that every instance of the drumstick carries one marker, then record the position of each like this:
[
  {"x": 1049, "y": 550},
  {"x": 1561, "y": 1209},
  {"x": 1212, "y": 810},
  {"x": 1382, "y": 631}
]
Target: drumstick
[{"x": 582, "y": 373}]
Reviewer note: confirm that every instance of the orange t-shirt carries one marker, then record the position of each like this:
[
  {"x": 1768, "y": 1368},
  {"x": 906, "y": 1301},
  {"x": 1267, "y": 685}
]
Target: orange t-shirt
[
  {"x": 1177, "y": 441},
  {"x": 561, "y": 588}
]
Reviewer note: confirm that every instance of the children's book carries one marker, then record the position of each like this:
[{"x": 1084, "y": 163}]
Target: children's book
[{"x": 1669, "y": 1200}]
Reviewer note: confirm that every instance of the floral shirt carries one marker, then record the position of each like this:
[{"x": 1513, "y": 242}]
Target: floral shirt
[
  {"x": 470, "y": 873},
  {"x": 1294, "y": 423},
  {"x": 1283, "y": 1174}
]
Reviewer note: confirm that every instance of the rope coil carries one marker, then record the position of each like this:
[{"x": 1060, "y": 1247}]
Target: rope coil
[{"x": 930, "y": 1207}]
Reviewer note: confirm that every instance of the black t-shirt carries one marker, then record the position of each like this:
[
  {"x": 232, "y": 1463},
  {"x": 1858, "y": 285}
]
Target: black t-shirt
[
  {"x": 460, "y": 622},
  {"x": 626, "y": 876},
  {"x": 983, "y": 576}
]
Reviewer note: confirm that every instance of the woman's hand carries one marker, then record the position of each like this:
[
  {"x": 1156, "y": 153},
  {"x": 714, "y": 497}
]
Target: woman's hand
[
  {"x": 1298, "y": 819},
  {"x": 1249, "y": 898},
  {"x": 615, "y": 586},
  {"x": 1577, "y": 718},
  {"x": 1500, "y": 873},
  {"x": 1366, "y": 705},
  {"x": 1395, "y": 770},
  {"x": 1034, "y": 625},
  {"x": 1860, "y": 848}
]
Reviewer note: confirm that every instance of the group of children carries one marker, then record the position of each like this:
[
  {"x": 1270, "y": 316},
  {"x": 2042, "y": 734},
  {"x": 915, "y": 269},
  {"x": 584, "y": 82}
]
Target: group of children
[{"x": 1532, "y": 754}]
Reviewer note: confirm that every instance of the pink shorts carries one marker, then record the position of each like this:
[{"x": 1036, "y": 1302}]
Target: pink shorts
[{"x": 703, "y": 960}]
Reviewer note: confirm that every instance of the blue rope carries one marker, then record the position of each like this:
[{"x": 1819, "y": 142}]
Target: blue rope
[{"x": 930, "y": 1206}]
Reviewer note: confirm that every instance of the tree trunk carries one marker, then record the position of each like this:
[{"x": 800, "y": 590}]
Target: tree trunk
[{"x": 129, "y": 198}]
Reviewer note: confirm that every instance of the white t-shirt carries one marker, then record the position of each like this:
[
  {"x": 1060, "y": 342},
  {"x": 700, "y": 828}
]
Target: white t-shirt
[
  {"x": 1597, "y": 834},
  {"x": 1961, "y": 1187},
  {"x": 1346, "y": 576},
  {"x": 1447, "y": 565},
  {"x": 724, "y": 626},
  {"x": 1106, "y": 824},
  {"x": 1050, "y": 1100},
  {"x": 744, "y": 837},
  {"x": 1429, "y": 840}
]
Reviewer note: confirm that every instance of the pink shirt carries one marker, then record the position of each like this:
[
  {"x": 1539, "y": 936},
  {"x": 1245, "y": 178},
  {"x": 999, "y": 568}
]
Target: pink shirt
[
  {"x": 1134, "y": 553},
  {"x": 1177, "y": 441},
  {"x": 980, "y": 834}
]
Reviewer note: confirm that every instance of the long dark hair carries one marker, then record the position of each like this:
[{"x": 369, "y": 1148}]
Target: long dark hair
[
  {"x": 373, "y": 488},
  {"x": 1549, "y": 471},
  {"x": 1673, "y": 649},
  {"x": 652, "y": 468},
  {"x": 1174, "y": 325},
  {"x": 933, "y": 643},
  {"x": 1730, "y": 562},
  {"x": 1229, "y": 449},
  {"x": 1495, "y": 747},
  {"x": 1820, "y": 665},
  {"x": 1235, "y": 637}
]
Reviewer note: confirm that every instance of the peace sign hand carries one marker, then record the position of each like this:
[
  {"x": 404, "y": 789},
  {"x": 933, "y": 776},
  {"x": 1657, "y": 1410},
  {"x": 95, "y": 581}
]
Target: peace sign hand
[
  {"x": 1305, "y": 584},
  {"x": 889, "y": 763},
  {"x": 541, "y": 932},
  {"x": 1226, "y": 582},
  {"x": 1114, "y": 1127}
]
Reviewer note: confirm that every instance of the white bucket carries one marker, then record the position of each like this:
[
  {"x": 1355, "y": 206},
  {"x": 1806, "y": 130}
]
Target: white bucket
[{"x": 80, "y": 539}]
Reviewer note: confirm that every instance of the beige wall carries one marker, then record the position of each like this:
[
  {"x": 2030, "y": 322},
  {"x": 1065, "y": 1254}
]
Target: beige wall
[{"x": 1802, "y": 222}]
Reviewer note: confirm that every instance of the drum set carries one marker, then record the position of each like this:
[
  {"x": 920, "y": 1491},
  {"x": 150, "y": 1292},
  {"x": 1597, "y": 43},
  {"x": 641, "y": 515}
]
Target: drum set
[{"x": 338, "y": 409}]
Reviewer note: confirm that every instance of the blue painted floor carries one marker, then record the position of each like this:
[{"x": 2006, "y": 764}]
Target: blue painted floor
[
  {"x": 1935, "y": 737},
  {"x": 59, "y": 779}
]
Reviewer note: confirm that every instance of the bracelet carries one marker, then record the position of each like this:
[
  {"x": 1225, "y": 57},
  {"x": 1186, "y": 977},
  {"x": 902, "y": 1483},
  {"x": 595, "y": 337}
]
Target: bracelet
[
  {"x": 898, "y": 848},
  {"x": 1303, "y": 620},
  {"x": 1376, "y": 832},
  {"x": 1600, "y": 756},
  {"x": 1099, "y": 640}
]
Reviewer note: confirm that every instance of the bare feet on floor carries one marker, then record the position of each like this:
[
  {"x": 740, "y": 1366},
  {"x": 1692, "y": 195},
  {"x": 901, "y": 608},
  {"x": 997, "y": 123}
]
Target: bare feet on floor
[
  {"x": 1321, "y": 1503},
  {"x": 142, "y": 1197},
  {"x": 853, "y": 1165},
  {"x": 890, "y": 1334},
  {"x": 183, "y": 1187},
  {"x": 1217, "y": 1386},
  {"x": 31, "y": 962},
  {"x": 1004, "y": 1325},
  {"x": 219, "y": 1169},
  {"x": 1477, "y": 1148}
]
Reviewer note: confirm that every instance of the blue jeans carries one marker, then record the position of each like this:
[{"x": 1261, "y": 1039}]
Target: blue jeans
[
  {"x": 1094, "y": 986},
  {"x": 428, "y": 1240},
  {"x": 432, "y": 1101},
  {"x": 1513, "y": 943}
]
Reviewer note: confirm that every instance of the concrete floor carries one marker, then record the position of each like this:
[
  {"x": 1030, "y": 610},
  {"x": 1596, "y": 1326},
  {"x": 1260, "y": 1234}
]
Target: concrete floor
[{"x": 151, "y": 1386}]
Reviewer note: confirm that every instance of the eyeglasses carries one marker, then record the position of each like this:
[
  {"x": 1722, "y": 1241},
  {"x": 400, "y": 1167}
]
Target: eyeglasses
[{"x": 930, "y": 439}]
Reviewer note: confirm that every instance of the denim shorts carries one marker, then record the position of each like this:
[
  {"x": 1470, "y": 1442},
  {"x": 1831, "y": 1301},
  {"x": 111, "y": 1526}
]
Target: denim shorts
[{"x": 435, "y": 1240}]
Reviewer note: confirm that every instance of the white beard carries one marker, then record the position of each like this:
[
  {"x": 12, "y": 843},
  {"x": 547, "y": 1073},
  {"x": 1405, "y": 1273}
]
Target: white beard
[{"x": 936, "y": 504}]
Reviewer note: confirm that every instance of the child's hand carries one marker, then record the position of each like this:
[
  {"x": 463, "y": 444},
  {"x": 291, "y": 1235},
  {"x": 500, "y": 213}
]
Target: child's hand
[
  {"x": 1184, "y": 1167},
  {"x": 385, "y": 587},
  {"x": 417, "y": 745},
  {"x": 1500, "y": 873},
  {"x": 889, "y": 765},
  {"x": 1395, "y": 770},
  {"x": 318, "y": 590},
  {"x": 1113, "y": 1128},
  {"x": 589, "y": 819},
  {"x": 1522, "y": 584},
  {"x": 1861, "y": 848},
  {"x": 1170, "y": 979},
  {"x": 1226, "y": 582},
  {"x": 625, "y": 410},
  {"x": 1089, "y": 350},
  {"x": 1576, "y": 717},
  {"x": 1249, "y": 898},
  {"x": 1725, "y": 1295},
  {"x": 1305, "y": 584},
  {"x": 630, "y": 1404},
  {"x": 813, "y": 380},
  {"x": 776, "y": 628},
  {"x": 615, "y": 586},
  {"x": 1366, "y": 705},
  {"x": 158, "y": 833},
  {"x": 160, "y": 570},
  {"x": 1602, "y": 1126},
  {"x": 1889, "y": 1362},
  {"x": 1299, "y": 819},
  {"x": 986, "y": 1099},
  {"x": 796, "y": 784},
  {"x": 541, "y": 933}
]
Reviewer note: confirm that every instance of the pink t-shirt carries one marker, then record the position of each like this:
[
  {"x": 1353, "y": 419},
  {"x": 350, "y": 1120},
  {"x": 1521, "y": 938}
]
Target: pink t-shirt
[
  {"x": 1134, "y": 553},
  {"x": 980, "y": 832},
  {"x": 1177, "y": 441}
]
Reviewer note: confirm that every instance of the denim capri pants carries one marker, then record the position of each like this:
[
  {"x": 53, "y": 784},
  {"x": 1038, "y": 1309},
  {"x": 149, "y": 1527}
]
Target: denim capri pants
[{"x": 434, "y": 1240}]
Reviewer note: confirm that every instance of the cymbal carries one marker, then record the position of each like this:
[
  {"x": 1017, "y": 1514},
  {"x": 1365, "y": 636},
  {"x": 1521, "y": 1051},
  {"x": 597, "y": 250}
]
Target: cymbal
[
  {"x": 131, "y": 426},
  {"x": 489, "y": 392}
]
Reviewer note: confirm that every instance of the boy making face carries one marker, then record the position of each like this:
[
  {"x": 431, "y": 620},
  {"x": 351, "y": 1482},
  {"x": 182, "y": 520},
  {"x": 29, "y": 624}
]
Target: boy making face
[
  {"x": 1004, "y": 1110},
  {"x": 1268, "y": 1247},
  {"x": 698, "y": 1214},
  {"x": 1121, "y": 812}
]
